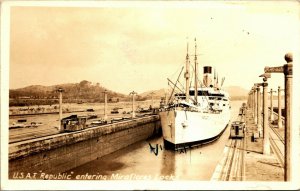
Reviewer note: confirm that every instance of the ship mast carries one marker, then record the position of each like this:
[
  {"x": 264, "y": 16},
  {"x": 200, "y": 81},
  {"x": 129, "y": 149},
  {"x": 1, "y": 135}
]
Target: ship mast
[
  {"x": 196, "y": 74},
  {"x": 187, "y": 75}
]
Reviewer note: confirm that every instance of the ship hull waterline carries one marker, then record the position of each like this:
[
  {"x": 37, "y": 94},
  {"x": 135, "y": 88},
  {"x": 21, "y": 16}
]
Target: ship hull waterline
[{"x": 184, "y": 129}]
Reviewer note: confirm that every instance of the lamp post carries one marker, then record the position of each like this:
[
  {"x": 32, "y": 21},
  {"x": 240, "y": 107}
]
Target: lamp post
[
  {"x": 105, "y": 104},
  {"x": 133, "y": 93},
  {"x": 258, "y": 107},
  {"x": 288, "y": 77},
  {"x": 255, "y": 104},
  {"x": 266, "y": 141},
  {"x": 287, "y": 70},
  {"x": 279, "y": 108},
  {"x": 60, "y": 90},
  {"x": 271, "y": 104}
]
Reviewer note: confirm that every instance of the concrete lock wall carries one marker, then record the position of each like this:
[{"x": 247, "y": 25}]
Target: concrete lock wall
[{"x": 62, "y": 152}]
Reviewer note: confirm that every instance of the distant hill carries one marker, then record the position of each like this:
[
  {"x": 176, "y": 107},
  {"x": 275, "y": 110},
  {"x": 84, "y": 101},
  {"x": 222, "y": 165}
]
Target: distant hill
[
  {"x": 86, "y": 91},
  {"x": 157, "y": 94},
  {"x": 235, "y": 92},
  {"x": 83, "y": 91}
]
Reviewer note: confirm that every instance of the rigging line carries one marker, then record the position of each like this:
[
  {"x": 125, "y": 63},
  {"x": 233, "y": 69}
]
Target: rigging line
[
  {"x": 182, "y": 86},
  {"x": 175, "y": 84},
  {"x": 170, "y": 87},
  {"x": 205, "y": 86},
  {"x": 198, "y": 78},
  {"x": 176, "y": 72},
  {"x": 179, "y": 88},
  {"x": 191, "y": 78}
]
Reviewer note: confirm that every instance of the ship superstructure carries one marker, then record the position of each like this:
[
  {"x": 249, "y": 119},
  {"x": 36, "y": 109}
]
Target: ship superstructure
[{"x": 198, "y": 113}]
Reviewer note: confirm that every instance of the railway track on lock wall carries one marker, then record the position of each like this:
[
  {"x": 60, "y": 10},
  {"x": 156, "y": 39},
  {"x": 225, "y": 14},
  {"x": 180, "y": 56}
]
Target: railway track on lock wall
[
  {"x": 276, "y": 142},
  {"x": 26, "y": 134},
  {"x": 234, "y": 165}
]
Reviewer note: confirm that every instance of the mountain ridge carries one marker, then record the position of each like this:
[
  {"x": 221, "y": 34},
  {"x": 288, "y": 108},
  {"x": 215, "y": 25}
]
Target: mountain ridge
[{"x": 86, "y": 91}]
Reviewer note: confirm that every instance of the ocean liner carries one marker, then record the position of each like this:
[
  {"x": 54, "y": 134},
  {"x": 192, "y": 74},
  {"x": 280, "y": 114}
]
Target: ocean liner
[{"x": 197, "y": 113}]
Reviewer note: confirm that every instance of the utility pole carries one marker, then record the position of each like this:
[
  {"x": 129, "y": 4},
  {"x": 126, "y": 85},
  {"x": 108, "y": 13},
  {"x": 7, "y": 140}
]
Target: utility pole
[
  {"x": 258, "y": 107},
  {"x": 271, "y": 102},
  {"x": 133, "y": 93},
  {"x": 252, "y": 101},
  {"x": 249, "y": 99},
  {"x": 288, "y": 78},
  {"x": 60, "y": 90},
  {"x": 255, "y": 103},
  {"x": 279, "y": 122},
  {"x": 105, "y": 105},
  {"x": 266, "y": 140},
  {"x": 287, "y": 70}
]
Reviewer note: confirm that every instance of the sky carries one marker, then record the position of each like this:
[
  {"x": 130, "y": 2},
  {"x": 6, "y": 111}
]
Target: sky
[{"x": 139, "y": 45}]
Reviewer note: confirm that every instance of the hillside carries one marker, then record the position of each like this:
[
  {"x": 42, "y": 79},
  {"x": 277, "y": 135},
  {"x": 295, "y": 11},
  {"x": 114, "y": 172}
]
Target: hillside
[
  {"x": 86, "y": 91},
  {"x": 235, "y": 92},
  {"x": 157, "y": 94},
  {"x": 83, "y": 91}
]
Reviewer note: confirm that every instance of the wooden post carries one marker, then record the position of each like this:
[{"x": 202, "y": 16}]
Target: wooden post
[
  {"x": 271, "y": 105},
  {"x": 255, "y": 104},
  {"x": 258, "y": 113},
  {"x": 287, "y": 69},
  {"x": 105, "y": 105},
  {"x": 279, "y": 122},
  {"x": 248, "y": 102},
  {"x": 266, "y": 141},
  {"x": 288, "y": 77},
  {"x": 60, "y": 90}
]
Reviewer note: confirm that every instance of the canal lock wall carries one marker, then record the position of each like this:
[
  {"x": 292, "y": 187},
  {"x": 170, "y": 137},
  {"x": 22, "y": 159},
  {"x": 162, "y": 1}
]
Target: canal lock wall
[{"x": 62, "y": 152}]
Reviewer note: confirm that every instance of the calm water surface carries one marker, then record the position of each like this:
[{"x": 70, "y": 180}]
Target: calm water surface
[{"x": 137, "y": 162}]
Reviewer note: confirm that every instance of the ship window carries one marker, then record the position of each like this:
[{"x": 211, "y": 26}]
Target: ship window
[
  {"x": 182, "y": 95},
  {"x": 217, "y": 95},
  {"x": 211, "y": 104},
  {"x": 219, "y": 98},
  {"x": 200, "y": 93},
  {"x": 223, "y": 104}
]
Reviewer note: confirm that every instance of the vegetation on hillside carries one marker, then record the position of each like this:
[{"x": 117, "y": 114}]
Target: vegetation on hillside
[
  {"x": 87, "y": 92},
  {"x": 81, "y": 92}
]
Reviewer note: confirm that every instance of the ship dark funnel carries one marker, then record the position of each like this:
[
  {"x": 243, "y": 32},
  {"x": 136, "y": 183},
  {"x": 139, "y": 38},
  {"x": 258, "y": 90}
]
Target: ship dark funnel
[{"x": 207, "y": 76}]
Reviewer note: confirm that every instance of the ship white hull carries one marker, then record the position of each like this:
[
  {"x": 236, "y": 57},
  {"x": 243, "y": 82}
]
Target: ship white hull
[{"x": 188, "y": 127}]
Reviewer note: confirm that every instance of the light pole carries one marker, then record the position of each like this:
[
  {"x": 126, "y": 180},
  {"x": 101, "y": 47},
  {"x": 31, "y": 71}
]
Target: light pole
[
  {"x": 287, "y": 70},
  {"x": 105, "y": 104},
  {"x": 60, "y": 90},
  {"x": 266, "y": 141},
  {"x": 255, "y": 103},
  {"x": 288, "y": 78},
  {"x": 279, "y": 108},
  {"x": 271, "y": 104},
  {"x": 133, "y": 93},
  {"x": 258, "y": 107}
]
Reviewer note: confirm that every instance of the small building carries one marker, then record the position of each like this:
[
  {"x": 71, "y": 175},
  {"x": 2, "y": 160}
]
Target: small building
[{"x": 74, "y": 123}]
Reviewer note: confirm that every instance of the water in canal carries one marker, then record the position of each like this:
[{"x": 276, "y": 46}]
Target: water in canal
[{"x": 139, "y": 162}]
